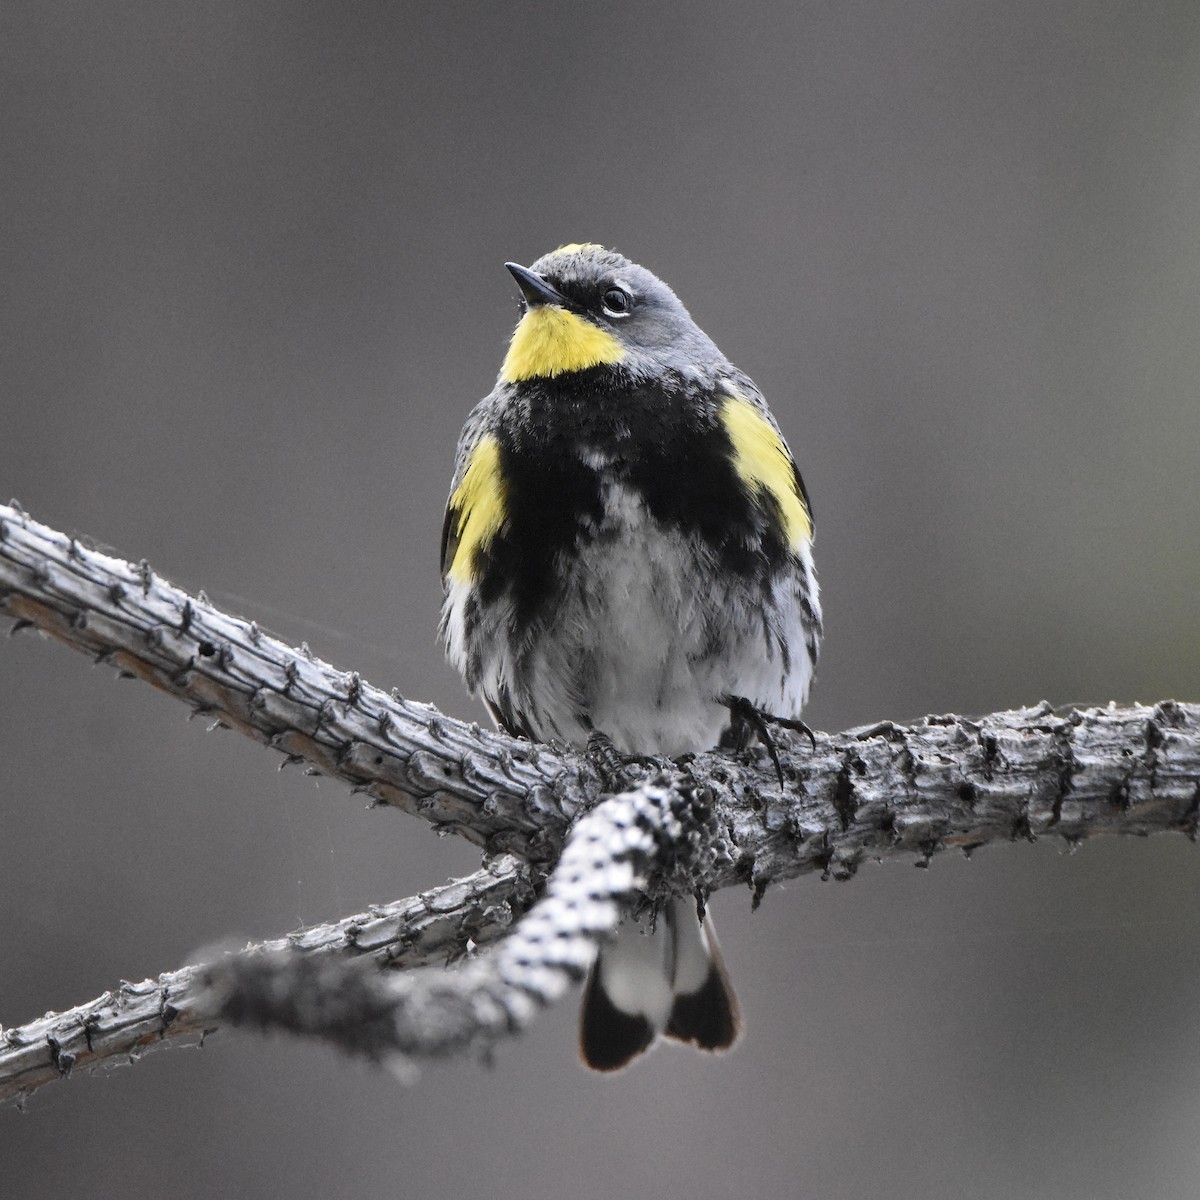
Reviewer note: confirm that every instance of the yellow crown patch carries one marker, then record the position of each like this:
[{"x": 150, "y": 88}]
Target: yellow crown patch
[{"x": 576, "y": 247}]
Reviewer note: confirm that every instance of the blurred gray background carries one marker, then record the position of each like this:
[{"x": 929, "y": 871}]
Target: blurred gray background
[{"x": 251, "y": 283}]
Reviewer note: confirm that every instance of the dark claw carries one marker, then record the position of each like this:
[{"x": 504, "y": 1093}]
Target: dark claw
[
  {"x": 743, "y": 714},
  {"x": 794, "y": 723}
]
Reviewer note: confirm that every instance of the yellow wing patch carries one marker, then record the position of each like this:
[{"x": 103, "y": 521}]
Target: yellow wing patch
[
  {"x": 476, "y": 511},
  {"x": 762, "y": 460},
  {"x": 549, "y": 341}
]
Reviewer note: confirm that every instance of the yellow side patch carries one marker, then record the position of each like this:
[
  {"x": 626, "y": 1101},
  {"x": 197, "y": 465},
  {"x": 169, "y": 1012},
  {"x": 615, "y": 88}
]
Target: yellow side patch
[
  {"x": 477, "y": 509},
  {"x": 549, "y": 341},
  {"x": 762, "y": 461}
]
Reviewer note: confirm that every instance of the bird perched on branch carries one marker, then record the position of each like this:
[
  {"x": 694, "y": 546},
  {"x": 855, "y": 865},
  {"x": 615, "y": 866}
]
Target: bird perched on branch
[{"x": 627, "y": 556}]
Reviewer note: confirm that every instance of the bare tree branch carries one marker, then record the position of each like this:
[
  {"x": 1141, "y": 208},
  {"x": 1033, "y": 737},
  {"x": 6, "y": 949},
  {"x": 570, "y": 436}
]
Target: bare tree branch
[
  {"x": 607, "y": 862},
  {"x": 503, "y": 794},
  {"x": 870, "y": 793},
  {"x": 133, "y": 1018},
  {"x": 946, "y": 780}
]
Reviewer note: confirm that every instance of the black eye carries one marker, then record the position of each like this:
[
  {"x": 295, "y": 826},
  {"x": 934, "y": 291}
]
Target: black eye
[{"x": 617, "y": 302}]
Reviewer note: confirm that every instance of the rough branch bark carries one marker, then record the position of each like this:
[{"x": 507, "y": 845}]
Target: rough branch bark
[
  {"x": 870, "y": 793},
  {"x": 607, "y": 862},
  {"x": 178, "y": 1006},
  {"x": 502, "y": 794}
]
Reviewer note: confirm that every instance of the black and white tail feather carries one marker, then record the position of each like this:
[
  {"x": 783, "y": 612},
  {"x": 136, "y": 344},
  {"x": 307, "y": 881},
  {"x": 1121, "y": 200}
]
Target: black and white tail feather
[{"x": 668, "y": 979}]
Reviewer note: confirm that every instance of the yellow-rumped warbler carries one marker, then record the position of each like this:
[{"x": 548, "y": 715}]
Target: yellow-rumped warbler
[{"x": 627, "y": 551}]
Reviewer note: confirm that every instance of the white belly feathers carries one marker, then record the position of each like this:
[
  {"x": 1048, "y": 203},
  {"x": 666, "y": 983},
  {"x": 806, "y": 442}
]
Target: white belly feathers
[{"x": 635, "y": 650}]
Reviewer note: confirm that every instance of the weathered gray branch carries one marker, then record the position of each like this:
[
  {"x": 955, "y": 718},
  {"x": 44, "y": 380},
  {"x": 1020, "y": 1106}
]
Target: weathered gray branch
[
  {"x": 178, "y": 1006},
  {"x": 608, "y": 860},
  {"x": 870, "y": 793},
  {"x": 503, "y": 794}
]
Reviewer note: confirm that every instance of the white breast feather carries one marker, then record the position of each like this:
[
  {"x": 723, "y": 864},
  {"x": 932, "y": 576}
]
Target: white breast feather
[{"x": 644, "y": 645}]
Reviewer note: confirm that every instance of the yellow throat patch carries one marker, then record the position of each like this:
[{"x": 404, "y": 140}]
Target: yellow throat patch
[
  {"x": 549, "y": 341},
  {"x": 477, "y": 510},
  {"x": 762, "y": 461}
]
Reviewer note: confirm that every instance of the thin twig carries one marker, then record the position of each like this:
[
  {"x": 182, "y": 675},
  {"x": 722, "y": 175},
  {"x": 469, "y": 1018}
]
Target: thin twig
[{"x": 177, "y": 1007}]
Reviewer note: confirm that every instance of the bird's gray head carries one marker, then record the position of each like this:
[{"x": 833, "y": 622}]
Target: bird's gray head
[{"x": 586, "y": 306}]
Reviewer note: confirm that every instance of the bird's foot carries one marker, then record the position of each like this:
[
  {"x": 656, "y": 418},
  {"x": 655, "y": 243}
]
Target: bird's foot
[
  {"x": 618, "y": 772},
  {"x": 746, "y": 718}
]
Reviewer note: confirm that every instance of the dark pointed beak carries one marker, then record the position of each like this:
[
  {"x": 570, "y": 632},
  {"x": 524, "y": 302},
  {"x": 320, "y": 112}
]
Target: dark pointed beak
[{"x": 535, "y": 291}]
